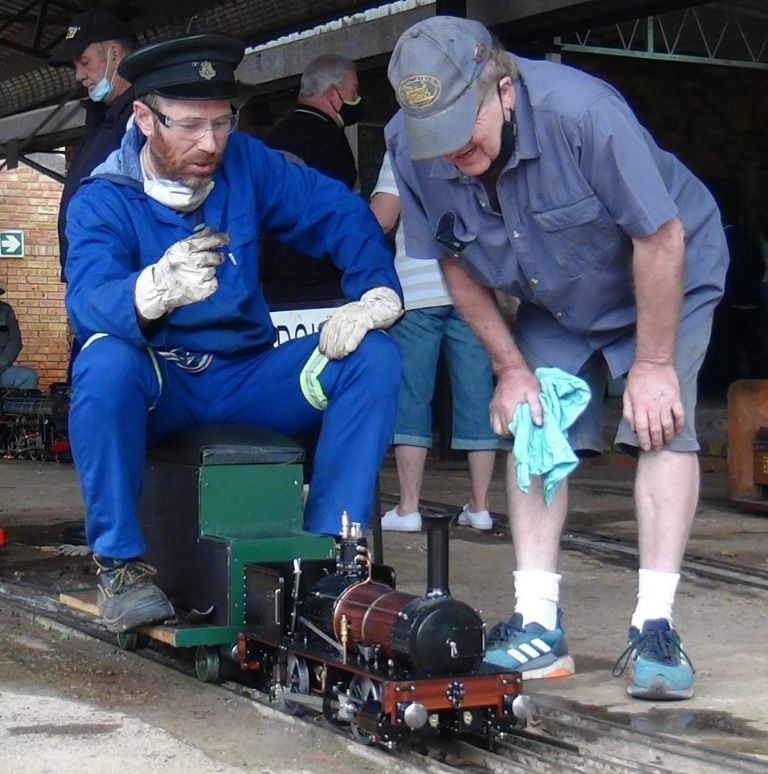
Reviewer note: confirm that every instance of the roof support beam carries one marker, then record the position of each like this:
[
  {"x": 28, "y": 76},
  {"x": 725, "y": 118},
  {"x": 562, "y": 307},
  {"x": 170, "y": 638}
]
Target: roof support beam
[{"x": 451, "y": 8}]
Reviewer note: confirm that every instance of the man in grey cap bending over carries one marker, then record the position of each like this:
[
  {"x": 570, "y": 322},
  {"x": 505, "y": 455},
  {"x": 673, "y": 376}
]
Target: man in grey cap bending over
[{"x": 536, "y": 179}]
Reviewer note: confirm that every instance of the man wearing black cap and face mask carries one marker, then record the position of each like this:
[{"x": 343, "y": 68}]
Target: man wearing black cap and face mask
[
  {"x": 314, "y": 131},
  {"x": 537, "y": 180},
  {"x": 94, "y": 45},
  {"x": 163, "y": 288}
]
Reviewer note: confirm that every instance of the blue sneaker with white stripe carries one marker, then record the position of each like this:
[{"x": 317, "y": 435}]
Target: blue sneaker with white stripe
[
  {"x": 532, "y": 649},
  {"x": 657, "y": 665}
]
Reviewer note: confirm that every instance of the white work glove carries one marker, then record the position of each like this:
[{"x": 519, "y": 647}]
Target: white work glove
[
  {"x": 345, "y": 328},
  {"x": 185, "y": 274}
]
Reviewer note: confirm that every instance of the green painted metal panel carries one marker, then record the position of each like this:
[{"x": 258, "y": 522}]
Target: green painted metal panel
[
  {"x": 205, "y": 635},
  {"x": 239, "y": 500}
]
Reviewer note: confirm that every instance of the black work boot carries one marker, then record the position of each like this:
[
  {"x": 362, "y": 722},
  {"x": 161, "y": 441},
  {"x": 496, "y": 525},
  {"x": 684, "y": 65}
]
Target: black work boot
[{"x": 125, "y": 595}]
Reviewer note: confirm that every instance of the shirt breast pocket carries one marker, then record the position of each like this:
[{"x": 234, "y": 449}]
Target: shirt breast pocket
[{"x": 575, "y": 235}]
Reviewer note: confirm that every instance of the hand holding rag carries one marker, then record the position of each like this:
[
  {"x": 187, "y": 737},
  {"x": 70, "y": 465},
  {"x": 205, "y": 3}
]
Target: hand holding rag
[{"x": 544, "y": 450}]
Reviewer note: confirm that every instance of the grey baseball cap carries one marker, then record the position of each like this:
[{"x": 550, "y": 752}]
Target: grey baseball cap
[{"x": 434, "y": 70}]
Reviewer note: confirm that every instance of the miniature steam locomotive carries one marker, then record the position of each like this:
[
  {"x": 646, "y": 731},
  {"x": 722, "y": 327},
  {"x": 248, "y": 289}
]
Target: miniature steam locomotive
[
  {"x": 308, "y": 618},
  {"x": 337, "y": 637},
  {"x": 33, "y": 425}
]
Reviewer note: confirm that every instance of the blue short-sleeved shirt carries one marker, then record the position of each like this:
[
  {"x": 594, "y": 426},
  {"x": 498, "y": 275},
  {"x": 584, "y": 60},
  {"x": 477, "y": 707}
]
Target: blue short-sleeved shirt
[{"x": 584, "y": 180}]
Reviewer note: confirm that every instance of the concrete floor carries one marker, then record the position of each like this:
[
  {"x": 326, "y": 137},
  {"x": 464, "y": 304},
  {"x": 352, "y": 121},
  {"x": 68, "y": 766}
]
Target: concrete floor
[{"x": 724, "y": 627}]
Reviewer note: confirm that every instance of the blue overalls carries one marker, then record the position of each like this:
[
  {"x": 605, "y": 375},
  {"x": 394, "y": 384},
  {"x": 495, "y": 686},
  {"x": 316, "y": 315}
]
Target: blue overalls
[{"x": 213, "y": 361}]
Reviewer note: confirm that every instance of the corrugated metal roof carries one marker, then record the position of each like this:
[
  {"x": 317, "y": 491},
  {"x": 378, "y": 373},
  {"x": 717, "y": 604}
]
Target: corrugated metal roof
[{"x": 29, "y": 30}]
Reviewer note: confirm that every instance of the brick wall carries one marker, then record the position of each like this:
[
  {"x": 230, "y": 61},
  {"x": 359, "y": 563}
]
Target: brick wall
[{"x": 30, "y": 201}]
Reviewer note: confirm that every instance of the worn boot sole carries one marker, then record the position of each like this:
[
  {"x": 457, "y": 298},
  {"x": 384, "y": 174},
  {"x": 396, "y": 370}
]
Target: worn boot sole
[{"x": 152, "y": 609}]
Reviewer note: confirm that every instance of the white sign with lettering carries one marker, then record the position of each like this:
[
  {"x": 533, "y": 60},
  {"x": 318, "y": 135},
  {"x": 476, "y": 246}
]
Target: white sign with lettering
[{"x": 297, "y": 323}]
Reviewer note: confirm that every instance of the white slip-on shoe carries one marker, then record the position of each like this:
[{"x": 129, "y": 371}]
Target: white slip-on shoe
[
  {"x": 478, "y": 519},
  {"x": 392, "y": 521}
]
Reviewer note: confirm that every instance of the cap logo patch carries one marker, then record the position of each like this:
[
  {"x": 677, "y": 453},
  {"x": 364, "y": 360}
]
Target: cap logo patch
[
  {"x": 72, "y": 31},
  {"x": 207, "y": 70},
  {"x": 419, "y": 91}
]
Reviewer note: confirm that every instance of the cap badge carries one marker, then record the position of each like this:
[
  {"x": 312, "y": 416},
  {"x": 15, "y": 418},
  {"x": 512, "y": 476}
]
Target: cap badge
[
  {"x": 207, "y": 70},
  {"x": 479, "y": 53},
  {"x": 72, "y": 31},
  {"x": 419, "y": 91}
]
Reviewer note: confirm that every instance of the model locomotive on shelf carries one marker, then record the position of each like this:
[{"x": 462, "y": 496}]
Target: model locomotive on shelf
[{"x": 33, "y": 425}]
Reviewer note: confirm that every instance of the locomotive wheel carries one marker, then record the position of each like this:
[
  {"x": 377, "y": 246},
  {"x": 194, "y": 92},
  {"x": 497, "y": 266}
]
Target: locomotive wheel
[
  {"x": 297, "y": 679},
  {"x": 207, "y": 664},
  {"x": 131, "y": 640},
  {"x": 364, "y": 689}
]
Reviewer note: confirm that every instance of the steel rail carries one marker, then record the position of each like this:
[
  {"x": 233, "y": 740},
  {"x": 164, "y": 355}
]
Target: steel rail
[
  {"x": 620, "y": 550},
  {"x": 558, "y": 740}
]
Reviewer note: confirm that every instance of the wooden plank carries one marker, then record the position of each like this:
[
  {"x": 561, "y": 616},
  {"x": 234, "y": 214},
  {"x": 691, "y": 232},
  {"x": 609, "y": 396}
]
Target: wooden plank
[{"x": 85, "y": 602}]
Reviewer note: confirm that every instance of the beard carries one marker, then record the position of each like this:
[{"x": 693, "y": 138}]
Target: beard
[{"x": 168, "y": 164}]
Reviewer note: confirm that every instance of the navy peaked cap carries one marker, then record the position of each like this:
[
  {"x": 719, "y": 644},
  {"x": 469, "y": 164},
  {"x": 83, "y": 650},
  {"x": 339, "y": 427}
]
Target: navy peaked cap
[
  {"x": 188, "y": 67},
  {"x": 93, "y": 26}
]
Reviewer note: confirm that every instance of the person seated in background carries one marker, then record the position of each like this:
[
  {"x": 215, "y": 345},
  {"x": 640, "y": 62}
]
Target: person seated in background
[
  {"x": 431, "y": 323},
  {"x": 314, "y": 132},
  {"x": 163, "y": 288},
  {"x": 12, "y": 376}
]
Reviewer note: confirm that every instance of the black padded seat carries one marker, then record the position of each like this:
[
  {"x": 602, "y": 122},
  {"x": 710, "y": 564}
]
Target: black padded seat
[{"x": 227, "y": 445}]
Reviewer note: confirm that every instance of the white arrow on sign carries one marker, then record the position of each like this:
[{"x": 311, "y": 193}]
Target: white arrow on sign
[{"x": 10, "y": 243}]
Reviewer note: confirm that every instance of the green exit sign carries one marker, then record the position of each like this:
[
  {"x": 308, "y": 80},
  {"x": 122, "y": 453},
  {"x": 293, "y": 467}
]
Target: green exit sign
[{"x": 11, "y": 244}]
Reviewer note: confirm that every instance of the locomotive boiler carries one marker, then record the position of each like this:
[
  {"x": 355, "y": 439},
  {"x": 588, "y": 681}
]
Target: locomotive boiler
[{"x": 434, "y": 634}]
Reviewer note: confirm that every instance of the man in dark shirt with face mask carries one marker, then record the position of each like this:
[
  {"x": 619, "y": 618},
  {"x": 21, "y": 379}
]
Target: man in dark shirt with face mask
[
  {"x": 95, "y": 44},
  {"x": 314, "y": 131}
]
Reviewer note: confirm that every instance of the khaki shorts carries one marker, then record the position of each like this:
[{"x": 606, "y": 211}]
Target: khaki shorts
[{"x": 586, "y": 434}]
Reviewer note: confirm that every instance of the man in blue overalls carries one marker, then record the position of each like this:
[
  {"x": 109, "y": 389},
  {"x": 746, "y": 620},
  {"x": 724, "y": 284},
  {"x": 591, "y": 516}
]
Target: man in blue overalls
[
  {"x": 163, "y": 288},
  {"x": 538, "y": 180}
]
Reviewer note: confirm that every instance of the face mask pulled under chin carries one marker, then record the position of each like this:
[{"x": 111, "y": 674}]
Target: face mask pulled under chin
[
  {"x": 100, "y": 91},
  {"x": 351, "y": 112},
  {"x": 175, "y": 195},
  {"x": 171, "y": 193},
  {"x": 507, "y": 146}
]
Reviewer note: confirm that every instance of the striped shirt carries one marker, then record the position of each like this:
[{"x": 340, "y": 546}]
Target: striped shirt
[{"x": 421, "y": 278}]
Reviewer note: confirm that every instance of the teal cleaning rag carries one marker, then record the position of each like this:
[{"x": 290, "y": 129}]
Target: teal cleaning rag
[{"x": 544, "y": 450}]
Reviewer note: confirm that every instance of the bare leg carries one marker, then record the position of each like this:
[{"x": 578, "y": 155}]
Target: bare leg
[
  {"x": 666, "y": 495},
  {"x": 480, "y": 474},
  {"x": 410, "y": 475},
  {"x": 535, "y": 526}
]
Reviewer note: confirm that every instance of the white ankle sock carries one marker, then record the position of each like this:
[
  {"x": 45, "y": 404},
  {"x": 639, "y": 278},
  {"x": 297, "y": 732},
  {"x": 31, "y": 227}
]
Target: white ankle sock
[
  {"x": 655, "y": 596},
  {"x": 536, "y": 596}
]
